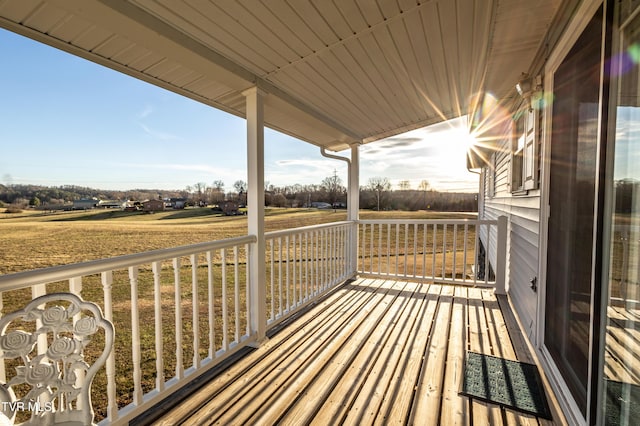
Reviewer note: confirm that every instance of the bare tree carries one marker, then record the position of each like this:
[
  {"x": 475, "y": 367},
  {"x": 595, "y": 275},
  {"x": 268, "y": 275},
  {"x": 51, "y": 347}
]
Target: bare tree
[
  {"x": 333, "y": 186},
  {"x": 379, "y": 185},
  {"x": 241, "y": 189},
  {"x": 404, "y": 185},
  {"x": 200, "y": 190},
  {"x": 217, "y": 192},
  {"x": 424, "y": 186}
]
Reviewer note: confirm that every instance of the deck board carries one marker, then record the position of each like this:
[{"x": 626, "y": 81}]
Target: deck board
[{"x": 372, "y": 352}]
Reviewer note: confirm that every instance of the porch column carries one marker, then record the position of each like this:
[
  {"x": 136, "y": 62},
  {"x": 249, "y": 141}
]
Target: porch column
[
  {"x": 353, "y": 203},
  {"x": 255, "y": 208}
]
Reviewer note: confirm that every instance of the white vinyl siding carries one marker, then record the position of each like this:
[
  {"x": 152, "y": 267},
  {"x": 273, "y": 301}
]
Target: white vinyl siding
[{"x": 523, "y": 212}]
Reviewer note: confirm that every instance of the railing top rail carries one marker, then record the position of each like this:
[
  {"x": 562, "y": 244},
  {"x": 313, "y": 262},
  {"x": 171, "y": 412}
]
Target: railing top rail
[
  {"x": 429, "y": 221},
  {"x": 63, "y": 272},
  {"x": 285, "y": 232}
]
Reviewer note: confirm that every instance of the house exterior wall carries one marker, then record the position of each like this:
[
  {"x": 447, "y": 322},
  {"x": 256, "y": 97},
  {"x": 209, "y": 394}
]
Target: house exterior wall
[
  {"x": 529, "y": 211},
  {"x": 523, "y": 214}
]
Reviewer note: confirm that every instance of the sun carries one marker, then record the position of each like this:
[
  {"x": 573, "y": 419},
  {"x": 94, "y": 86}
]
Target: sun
[{"x": 457, "y": 140}]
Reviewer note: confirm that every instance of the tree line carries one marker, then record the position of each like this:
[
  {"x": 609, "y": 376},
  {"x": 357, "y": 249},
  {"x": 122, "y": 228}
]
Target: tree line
[{"x": 377, "y": 194}]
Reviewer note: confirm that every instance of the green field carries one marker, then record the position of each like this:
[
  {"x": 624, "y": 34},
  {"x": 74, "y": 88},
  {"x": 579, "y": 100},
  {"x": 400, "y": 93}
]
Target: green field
[{"x": 32, "y": 240}]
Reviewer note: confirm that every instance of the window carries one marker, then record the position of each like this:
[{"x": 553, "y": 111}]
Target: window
[{"x": 524, "y": 151}]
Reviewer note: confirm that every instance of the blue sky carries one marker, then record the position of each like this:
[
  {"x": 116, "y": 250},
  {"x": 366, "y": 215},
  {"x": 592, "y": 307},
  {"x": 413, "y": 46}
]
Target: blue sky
[{"x": 68, "y": 121}]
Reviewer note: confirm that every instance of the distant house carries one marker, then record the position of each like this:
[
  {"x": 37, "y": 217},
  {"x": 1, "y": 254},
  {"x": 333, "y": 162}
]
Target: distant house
[
  {"x": 320, "y": 205},
  {"x": 229, "y": 208},
  {"x": 153, "y": 205},
  {"x": 85, "y": 203},
  {"x": 178, "y": 203},
  {"x": 111, "y": 204}
]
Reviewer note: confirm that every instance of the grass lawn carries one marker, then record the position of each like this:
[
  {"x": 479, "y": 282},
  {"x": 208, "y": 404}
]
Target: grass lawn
[{"x": 32, "y": 240}]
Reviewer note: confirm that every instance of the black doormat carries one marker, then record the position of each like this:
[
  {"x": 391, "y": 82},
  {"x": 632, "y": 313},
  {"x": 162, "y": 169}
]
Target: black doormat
[
  {"x": 622, "y": 401},
  {"x": 512, "y": 384}
]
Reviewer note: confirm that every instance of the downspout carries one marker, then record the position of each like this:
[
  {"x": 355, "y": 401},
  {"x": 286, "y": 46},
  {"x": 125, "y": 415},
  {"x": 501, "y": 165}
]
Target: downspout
[
  {"x": 352, "y": 203},
  {"x": 324, "y": 153}
]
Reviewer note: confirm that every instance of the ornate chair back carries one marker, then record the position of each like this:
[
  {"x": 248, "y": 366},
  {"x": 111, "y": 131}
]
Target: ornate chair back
[{"x": 47, "y": 339}]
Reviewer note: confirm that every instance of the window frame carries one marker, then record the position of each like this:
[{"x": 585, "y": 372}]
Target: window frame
[{"x": 524, "y": 149}]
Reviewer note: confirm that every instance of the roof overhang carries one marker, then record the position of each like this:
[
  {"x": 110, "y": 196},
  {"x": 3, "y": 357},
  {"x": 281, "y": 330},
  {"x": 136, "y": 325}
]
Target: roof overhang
[{"x": 335, "y": 73}]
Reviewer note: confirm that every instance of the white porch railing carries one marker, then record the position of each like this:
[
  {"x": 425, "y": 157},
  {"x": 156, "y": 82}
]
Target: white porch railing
[
  {"x": 434, "y": 250},
  {"x": 304, "y": 263},
  {"x": 179, "y": 312}
]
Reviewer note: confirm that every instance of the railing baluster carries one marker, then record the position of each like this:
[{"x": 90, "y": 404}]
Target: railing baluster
[
  {"x": 295, "y": 278},
  {"x": 476, "y": 260},
  {"x": 433, "y": 252},
  {"x": 342, "y": 245},
  {"x": 379, "y": 247},
  {"x": 464, "y": 255},
  {"x": 195, "y": 317},
  {"x": 212, "y": 305},
  {"x": 247, "y": 295},
  {"x": 388, "y": 247},
  {"x": 236, "y": 295},
  {"x": 135, "y": 337},
  {"x": 286, "y": 243},
  {"x": 444, "y": 249},
  {"x": 371, "y": 252},
  {"x": 319, "y": 268},
  {"x": 273, "y": 283},
  {"x": 397, "y": 247},
  {"x": 332, "y": 261},
  {"x": 225, "y": 308},
  {"x": 306, "y": 266},
  {"x": 314, "y": 262},
  {"x": 424, "y": 250},
  {"x": 362, "y": 244},
  {"x": 280, "y": 310},
  {"x": 325, "y": 264},
  {"x": 301, "y": 297},
  {"x": 415, "y": 249},
  {"x": 156, "y": 267},
  {"x": 454, "y": 251},
  {"x": 178, "y": 316},
  {"x": 406, "y": 249},
  {"x": 112, "y": 402},
  {"x": 486, "y": 255},
  {"x": 75, "y": 287}
]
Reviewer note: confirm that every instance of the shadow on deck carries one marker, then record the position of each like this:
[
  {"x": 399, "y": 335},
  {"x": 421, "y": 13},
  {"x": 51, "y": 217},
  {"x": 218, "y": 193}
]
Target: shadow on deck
[{"x": 371, "y": 352}]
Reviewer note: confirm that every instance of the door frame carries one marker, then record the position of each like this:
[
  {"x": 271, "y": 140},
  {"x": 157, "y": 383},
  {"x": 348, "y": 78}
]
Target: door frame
[{"x": 582, "y": 16}]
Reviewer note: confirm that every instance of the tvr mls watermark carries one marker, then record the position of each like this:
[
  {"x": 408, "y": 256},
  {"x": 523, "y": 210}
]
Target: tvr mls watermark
[{"x": 32, "y": 406}]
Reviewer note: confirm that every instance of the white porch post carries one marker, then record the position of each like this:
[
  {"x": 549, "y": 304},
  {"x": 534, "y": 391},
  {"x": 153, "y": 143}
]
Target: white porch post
[
  {"x": 255, "y": 206},
  {"x": 353, "y": 204}
]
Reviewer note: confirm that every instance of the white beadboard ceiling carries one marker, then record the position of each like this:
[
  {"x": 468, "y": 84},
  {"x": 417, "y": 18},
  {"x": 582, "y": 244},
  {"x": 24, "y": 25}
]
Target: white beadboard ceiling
[{"x": 334, "y": 71}]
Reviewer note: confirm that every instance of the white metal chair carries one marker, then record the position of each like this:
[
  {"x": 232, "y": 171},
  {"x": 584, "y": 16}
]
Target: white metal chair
[{"x": 48, "y": 338}]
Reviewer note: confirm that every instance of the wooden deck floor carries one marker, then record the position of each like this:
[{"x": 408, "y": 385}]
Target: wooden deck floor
[{"x": 373, "y": 352}]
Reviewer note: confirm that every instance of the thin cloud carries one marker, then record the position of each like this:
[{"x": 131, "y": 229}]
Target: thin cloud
[
  {"x": 399, "y": 141},
  {"x": 147, "y": 111},
  {"x": 159, "y": 135}
]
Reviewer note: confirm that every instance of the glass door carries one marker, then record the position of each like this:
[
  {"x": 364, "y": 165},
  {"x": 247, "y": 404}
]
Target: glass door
[
  {"x": 572, "y": 197},
  {"x": 620, "y": 401}
]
